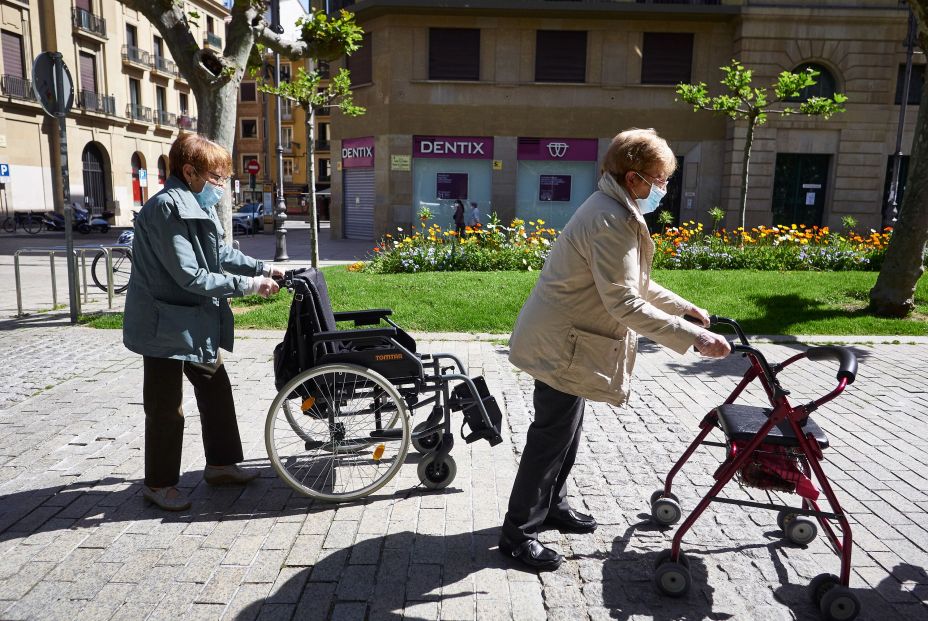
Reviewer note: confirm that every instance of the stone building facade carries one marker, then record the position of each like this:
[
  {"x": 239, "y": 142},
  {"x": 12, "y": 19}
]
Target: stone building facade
[{"x": 516, "y": 78}]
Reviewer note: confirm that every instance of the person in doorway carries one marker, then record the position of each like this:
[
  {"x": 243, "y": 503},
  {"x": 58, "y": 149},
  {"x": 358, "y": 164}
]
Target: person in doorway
[
  {"x": 473, "y": 221},
  {"x": 177, "y": 317},
  {"x": 577, "y": 334},
  {"x": 459, "y": 217}
]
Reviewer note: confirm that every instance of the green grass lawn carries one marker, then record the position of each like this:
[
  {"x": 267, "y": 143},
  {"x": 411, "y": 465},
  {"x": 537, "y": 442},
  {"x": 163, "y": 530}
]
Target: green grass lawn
[{"x": 764, "y": 302}]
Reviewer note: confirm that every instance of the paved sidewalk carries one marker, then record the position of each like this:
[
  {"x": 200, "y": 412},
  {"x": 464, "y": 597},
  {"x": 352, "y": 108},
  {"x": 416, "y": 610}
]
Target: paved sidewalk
[{"x": 76, "y": 540}]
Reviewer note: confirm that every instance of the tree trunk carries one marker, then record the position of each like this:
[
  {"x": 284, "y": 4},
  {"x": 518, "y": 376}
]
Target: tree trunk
[
  {"x": 893, "y": 295},
  {"x": 745, "y": 167},
  {"x": 216, "y": 123},
  {"x": 311, "y": 182}
]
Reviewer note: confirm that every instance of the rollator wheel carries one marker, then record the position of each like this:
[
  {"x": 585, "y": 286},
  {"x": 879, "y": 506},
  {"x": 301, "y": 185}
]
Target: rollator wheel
[
  {"x": 664, "y": 557},
  {"x": 666, "y": 511},
  {"x": 424, "y": 444},
  {"x": 801, "y": 530},
  {"x": 673, "y": 579},
  {"x": 783, "y": 516},
  {"x": 337, "y": 432},
  {"x": 659, "y": 493},
  {"x": 820, "y": 585},
  {"x": 435, "y": 476},
  {"x": 839, "y": 603}
]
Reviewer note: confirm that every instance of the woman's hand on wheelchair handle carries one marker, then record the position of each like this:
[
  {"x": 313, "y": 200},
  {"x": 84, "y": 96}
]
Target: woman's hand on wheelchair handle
[{"x": 712, "y": 345}]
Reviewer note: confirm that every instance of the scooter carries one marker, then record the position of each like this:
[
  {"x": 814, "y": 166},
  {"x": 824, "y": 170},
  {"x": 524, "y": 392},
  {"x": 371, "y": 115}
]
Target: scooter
[{"x": 87, "y": 222}]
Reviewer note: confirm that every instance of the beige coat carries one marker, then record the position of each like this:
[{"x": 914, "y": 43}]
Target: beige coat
[{"x": 578, "y": 330}]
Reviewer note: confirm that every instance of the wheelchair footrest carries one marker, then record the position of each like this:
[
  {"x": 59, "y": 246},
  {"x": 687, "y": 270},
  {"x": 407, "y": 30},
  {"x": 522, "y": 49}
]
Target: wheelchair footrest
[{"x": 481, "y": 427}]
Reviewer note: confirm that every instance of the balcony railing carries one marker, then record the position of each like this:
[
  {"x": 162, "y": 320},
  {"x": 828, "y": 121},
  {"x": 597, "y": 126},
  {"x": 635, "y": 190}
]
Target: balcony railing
[
  {"x": 94, "y": 102},
  {"x": 163, "y": 65},
  {"x": 138, "y": 112},
  {"x": 288, "y": 178},
  {"x": 286, "y": 114},
  {"x": 136, "y": 56},
  {"x": 322, "y": 145},
  {"x": 324, "y": 111},
  {"x": 165, "y": 118},
  {"x": 16, "y": 87},
  {"x": 213, "y": 40},
  {"x": 88, "y": 22},
  {"x": 187, "y": 122}
]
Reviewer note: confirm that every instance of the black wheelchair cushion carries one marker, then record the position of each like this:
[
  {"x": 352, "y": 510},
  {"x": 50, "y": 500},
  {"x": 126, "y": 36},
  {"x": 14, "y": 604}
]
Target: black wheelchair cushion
[{"x": 742, "y": 422}]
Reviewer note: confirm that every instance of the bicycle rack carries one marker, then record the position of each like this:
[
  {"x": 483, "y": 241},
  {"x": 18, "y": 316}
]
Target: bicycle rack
[{"x": 52, "y": 252}]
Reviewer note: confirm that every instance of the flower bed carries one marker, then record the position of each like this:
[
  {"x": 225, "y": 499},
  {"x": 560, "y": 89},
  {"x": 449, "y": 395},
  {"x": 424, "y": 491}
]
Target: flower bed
[{"x": 524, "y": 246}]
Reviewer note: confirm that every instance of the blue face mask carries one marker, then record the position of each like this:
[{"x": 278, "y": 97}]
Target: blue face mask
[
  {"x": 209, "y": 195},
  {"x": 649, "y": 204}
]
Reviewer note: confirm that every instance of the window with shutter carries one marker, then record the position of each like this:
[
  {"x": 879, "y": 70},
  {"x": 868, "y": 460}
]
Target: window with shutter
[
  {"x": 560, "y": 56},
  {"x": 247, "y": 91},
  {"x": 13, "y": 63},
  {"x": 88, "y": 72},
  {"x": 454, "y": 54},
  {"x": 360, "y": 64},
  {"x": 667, "y": 57},
  {"x": 84, "y": 5}
]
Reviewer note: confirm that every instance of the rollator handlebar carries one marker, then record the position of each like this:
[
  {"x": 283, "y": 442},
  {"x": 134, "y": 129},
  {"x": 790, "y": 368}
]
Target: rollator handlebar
[{"x": 846, "y": 359}]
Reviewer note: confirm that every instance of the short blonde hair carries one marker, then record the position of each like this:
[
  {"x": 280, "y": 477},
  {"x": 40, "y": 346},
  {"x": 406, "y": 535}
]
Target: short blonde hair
[
  {"x": 638, "y": 149},
  {"x": 201, "y": 153}
]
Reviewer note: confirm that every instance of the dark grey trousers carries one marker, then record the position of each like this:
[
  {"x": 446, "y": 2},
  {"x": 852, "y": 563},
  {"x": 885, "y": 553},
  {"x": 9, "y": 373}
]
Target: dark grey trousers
[{"x": 540, "y": 486}]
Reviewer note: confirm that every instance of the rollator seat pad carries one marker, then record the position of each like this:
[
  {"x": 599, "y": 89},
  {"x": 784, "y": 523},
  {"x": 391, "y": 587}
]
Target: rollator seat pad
[{"x": 742, "y": 422}]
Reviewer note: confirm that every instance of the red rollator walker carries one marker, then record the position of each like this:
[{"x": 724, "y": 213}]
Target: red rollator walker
[{"x": 770, "y": 448}]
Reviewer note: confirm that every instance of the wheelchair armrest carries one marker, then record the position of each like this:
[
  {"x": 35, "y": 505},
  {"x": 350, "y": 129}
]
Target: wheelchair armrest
[
  {"x": 355, "y": 336},
  {"x": 370, "y": 317}
]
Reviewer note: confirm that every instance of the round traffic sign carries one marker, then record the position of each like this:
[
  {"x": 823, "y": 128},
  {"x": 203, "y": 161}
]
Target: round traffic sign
[
  {"x": 253, "y": 167},
  {"x": 52, "y": 83}
]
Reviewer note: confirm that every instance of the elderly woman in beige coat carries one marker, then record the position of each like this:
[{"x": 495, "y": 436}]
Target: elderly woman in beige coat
[{"x": 577, "y": 334}]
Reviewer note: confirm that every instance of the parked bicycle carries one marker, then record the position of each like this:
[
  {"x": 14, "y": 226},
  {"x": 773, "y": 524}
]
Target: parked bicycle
[
  {"x": 30, "y": 222},
  {"x": 122, "y": 263}
]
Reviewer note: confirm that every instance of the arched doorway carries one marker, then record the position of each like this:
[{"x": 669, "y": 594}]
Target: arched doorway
[
  {"x": 94, "y": 167},
  {"x": 162, "y": 170},
  {"x": 139, "y": 180}
]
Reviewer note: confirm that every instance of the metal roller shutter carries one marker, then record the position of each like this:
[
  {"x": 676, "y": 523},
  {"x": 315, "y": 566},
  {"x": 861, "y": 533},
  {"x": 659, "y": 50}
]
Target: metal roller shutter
[
  {"x": 13, "y": 55},
  {"x": 88, "y": 72},
  {"x": 359, "y": 203}
]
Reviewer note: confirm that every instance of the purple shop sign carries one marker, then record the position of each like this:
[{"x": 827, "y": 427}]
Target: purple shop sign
[
  {"x": 554, "y": 188},
  {"x": 558, "y": 149},
  {"x": 451, "y": 185},
  {"x": 358, "y": 152},
  {"x": 453, "y": 147}
]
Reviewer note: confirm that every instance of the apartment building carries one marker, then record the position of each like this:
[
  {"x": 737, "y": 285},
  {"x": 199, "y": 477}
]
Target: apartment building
[
  {"x": 130, "y": 102},
  {"x": 513, "y": 104}
]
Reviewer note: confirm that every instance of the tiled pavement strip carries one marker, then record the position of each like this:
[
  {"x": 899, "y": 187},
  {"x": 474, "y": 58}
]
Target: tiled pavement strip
[{"x": 77, "y": 542}]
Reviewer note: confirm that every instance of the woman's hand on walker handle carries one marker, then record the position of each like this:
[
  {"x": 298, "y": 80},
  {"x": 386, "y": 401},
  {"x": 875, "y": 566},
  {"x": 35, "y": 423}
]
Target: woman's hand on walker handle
[
  {"x": 712, "y": 345},
  {"x": 700, "y": 315},
  {"x": 263, "y": 286}
]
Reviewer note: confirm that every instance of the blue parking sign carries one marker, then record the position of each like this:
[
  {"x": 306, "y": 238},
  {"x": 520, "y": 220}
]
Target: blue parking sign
[{"x": 4, "y": 171}]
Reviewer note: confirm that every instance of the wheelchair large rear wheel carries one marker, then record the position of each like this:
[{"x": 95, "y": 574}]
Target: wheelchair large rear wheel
[{"x": 337, "y": 432}]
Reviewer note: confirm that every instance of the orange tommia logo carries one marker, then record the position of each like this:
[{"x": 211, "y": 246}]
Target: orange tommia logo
[{"x": 380, "y": 357}]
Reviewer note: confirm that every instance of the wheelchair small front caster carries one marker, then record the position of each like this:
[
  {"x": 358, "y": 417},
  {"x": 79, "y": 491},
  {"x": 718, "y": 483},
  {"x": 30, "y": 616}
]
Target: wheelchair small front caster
[
  {"x": 426, "y": 443},
  {"x": 666, "y": 511},
  {"x": 672, "y": 578},
  {"x": 799, "y": 530},
  {"x": 435, "y": 476}
]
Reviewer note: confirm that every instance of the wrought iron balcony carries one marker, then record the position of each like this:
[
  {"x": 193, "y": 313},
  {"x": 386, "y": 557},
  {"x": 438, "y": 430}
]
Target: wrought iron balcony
[
  {"x": 165, "y": 118},
  {"x": 213, "y": 40},
  {"x": 323, "y": 145},
  {"x": 138, "y": 112},
  {"x": 323, "y": 111},
  {"x": 88, "y": 22},
  {"x": 136, "y": 56},
  {"x": 187, "y": 122},
  {"x": 16, "y": 87},
  {"x": 160, "y": 64},
  {"x": 94, "y": 102}
]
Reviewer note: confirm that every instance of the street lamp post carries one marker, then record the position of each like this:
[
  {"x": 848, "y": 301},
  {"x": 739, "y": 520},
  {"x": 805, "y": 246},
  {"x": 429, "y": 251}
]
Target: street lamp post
[
  {"x": 892, "y": 210},
  {"x": 280, "y": 217}
]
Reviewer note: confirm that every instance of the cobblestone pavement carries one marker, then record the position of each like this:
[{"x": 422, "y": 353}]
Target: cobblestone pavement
[{"x": 77, "y": 541}]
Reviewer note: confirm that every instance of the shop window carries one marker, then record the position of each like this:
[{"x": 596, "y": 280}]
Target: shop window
[
  {"x": 824, "y": 83},
  {"x": 247, "y": 92},
  {"x": 667, "y": 57},
  {"x": 915, "y": 84},
  {"x": 360, "y": 63},
  {"x": 454, "y": 54},
  {"x": 249, "y": 128},
  {"x": 560, "y": 56}
]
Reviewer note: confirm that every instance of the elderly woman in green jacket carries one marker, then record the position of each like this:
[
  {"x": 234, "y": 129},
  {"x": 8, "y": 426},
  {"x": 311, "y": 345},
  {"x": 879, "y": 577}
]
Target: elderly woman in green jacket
[
  {"x": 177, "y": 317},
  {"x": 577, "y": 334}
]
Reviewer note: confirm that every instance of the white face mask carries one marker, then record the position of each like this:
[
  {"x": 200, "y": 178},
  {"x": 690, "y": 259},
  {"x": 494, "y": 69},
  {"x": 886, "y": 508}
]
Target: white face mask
[{"x": 649, "y": 204}]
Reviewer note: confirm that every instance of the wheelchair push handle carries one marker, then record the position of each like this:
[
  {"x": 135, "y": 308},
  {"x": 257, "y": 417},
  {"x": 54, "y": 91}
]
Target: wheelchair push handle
[
  {"x": 846, "y": 359},
  {"x": 287, "y": 280}
]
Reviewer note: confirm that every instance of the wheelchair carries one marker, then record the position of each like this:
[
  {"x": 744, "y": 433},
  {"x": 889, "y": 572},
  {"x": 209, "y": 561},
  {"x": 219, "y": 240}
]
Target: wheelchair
[{"x": 339, "y": 428}]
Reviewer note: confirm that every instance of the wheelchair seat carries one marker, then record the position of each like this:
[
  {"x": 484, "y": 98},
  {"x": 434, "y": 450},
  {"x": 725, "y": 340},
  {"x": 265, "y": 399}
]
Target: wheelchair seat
[{"x": 742, "y": 422}]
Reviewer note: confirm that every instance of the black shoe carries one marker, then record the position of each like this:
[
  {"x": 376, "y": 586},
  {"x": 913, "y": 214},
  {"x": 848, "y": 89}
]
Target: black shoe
[
  {"x": 571, "y": 521},
  {"x": 531, "y": 553}
]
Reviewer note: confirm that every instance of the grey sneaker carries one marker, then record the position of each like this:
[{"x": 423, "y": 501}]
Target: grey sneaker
[
  {"x": 162, "y": 497},
  {"x": 227, "y": 475}
]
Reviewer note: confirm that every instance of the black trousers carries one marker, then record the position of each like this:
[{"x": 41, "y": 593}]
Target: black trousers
[
  {"x": 163, "y": 395},
  {"x": 540, "y": 486}
]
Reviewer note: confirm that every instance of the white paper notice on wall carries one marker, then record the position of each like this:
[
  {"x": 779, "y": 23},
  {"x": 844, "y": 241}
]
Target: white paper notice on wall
[{"x": 810, "y": 198}]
